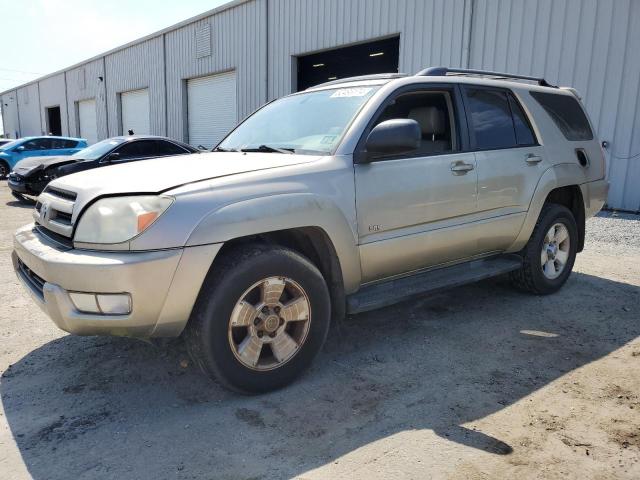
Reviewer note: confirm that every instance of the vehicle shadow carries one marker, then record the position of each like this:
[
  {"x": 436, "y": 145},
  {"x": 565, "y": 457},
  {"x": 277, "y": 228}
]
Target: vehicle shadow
[
  {"x": 19, "y": 204},
  {"x": 117, "y": 408}
]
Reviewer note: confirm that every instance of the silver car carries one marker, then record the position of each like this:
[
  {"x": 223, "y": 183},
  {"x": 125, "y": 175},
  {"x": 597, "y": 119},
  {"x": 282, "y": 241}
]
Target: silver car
[{"x": 346, "y": 197}]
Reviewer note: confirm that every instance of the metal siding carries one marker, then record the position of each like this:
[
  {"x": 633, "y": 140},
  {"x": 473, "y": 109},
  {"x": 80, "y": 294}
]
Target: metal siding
[
  {"x": 52, "y": 93},
  {"x": 10, "y": 115},
  {"x": 83, "y": 83},
  {"x": 238, "y": 43},
  {"x": 29, "y": 110},
  {"x": 137, "y": 67},
  {"x": 431, "y": 32},
  {"x": 590, "y": 45}
]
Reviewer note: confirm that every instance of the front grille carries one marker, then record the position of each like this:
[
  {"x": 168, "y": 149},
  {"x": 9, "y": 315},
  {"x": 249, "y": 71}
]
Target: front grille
[
  {"x": 58, "y": 192},
  {"x": 33, "y": 280},
  {"x": 61, "y": 240},
  {"x": 54, "y": 213}
]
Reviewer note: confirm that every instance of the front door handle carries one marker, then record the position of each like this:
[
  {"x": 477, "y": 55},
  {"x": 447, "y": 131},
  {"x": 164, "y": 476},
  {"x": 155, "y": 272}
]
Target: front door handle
[
  {"x": 532, "y": 159},
  {"x": 460, "y": 168}
]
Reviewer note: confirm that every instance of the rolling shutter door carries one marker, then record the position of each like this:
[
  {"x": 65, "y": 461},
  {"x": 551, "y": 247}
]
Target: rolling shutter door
[
  {"x": 211, "y": 108},
  {"x": 135, "y": 111},
  {"x": 87, "y": 121}
]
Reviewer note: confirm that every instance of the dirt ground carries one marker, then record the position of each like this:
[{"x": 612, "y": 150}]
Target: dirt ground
[{"x": 480, "y": 382}]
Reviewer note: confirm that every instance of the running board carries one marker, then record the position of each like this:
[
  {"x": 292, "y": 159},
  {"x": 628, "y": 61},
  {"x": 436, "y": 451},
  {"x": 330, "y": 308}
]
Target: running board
[{"x": 393, "y": 291}]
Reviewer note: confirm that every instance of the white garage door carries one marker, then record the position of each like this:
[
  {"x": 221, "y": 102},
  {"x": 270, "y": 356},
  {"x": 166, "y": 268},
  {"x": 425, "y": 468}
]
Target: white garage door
[
  {"x": 87, "y": 120},
  {"x": 211, "y": 108},
  {"x": 135, "y": 111}
]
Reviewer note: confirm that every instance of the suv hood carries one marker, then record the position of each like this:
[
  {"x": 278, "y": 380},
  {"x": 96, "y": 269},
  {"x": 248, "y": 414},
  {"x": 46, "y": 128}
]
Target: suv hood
[
  {"x": 161, "y": 174},
  {"x": 31, "y": 162}
]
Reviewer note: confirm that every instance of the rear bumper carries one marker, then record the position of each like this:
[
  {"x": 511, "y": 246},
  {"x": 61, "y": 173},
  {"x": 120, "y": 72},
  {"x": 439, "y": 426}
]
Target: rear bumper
[
  {"x": 163, "y": 284},
  {"x": 594, "y": 195}
]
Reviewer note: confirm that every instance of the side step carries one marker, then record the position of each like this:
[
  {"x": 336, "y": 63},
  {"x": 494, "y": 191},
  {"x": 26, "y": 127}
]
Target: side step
[{"x": 393, "y": 291}]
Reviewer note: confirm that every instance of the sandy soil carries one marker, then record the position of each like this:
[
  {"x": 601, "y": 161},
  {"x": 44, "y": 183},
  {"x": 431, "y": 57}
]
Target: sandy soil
[{"x": 480, "y": 382}]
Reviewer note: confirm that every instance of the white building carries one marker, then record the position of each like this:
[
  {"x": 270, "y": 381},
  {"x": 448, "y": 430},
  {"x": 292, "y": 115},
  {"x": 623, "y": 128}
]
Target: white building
[{"x": 193, "y": 81}]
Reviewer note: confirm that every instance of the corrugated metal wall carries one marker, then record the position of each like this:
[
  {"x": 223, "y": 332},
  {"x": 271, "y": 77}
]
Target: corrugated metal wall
[
  {"x": 29, "y": 110},
  {"x": 431, "y": 32},
  {"x": 53, "y": 92},
  {"x": 10, "y": 114},
  {"x": 591, "y": 45},
  {"x": 136, "y": 67},
  {"x": 84, "y": 83},
  {"x": 236, "y": 41}
]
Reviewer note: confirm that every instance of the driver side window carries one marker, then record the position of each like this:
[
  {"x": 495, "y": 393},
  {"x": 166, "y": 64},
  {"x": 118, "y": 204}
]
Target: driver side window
[
  {"x": 433, "y": 110},
  {"x": 37, "y": 144}
]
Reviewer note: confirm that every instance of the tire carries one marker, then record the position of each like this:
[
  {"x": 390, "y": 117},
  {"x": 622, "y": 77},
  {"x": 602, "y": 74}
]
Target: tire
[
  {"x": 215, "y": 343},
  {"x": 4, "y": 170},
  {"x": 535, "y": 278}
]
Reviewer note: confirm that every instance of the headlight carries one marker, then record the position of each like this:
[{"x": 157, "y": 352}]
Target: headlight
[{"x": 118, "y": 219}]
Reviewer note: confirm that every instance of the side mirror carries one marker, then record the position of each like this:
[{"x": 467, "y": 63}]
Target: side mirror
[
  {"x": 20, "y": 148},
  {"x": 394, "y": 136},
  {"x": 112, "y": 157}
]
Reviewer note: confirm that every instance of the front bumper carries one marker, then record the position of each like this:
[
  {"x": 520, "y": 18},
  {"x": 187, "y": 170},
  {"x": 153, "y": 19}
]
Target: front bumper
[
  {"x": 163, "y": 284},
  {"x": 17, "y": 186}
]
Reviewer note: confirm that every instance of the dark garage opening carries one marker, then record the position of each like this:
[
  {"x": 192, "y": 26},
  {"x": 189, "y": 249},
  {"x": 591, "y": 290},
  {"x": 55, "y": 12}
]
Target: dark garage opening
[
  {"x": 380, "y": 56},
  {"x": 54, "y": 124}
]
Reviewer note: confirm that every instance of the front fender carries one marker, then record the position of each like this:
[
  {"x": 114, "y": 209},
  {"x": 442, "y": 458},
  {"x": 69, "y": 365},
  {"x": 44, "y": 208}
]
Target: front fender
[
  {"x": 559, "y": 175},
  {"x": 282, "y": 212}
]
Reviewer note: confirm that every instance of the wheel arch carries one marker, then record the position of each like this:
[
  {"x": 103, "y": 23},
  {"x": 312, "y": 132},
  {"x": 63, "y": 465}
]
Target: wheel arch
[{"x": 559, "y": 184}]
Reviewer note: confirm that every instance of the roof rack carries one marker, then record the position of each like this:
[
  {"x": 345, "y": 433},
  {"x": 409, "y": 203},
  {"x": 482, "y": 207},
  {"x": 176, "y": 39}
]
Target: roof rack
[
  {"x": 360, "y": 78},
  {"x": 443, "y": 71}
]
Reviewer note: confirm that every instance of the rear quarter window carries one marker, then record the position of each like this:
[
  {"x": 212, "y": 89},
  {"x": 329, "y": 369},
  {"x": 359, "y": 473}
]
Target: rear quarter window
[{"x": 566, "y": 113}]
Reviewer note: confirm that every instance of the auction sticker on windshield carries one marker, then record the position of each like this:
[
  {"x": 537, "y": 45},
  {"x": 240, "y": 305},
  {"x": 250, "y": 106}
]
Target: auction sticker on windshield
[{"x": 351, "y": 92}]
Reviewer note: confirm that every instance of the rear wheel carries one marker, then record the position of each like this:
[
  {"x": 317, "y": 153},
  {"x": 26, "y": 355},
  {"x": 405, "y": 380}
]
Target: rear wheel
[
  {"x": 261, "y": 317},
  {"x": 550, "y": 254}
]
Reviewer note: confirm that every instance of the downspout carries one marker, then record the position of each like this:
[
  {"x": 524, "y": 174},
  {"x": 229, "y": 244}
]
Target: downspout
[
  {"x": 66, "y": 101},
  {"x": 164, "y": 74},
  {"x": 467, "y": 32},
  {"x": 266, "y": 53},
  {"x": 104, "y": 93},
  {"x": 19, "y": 133},
  {"x": 40, "y": 110}
]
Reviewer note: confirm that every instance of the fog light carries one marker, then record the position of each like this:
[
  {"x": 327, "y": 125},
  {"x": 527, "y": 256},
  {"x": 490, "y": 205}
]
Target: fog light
[
  {"x": 85, "y": 302},
  {"x": 114, "y": 304}
]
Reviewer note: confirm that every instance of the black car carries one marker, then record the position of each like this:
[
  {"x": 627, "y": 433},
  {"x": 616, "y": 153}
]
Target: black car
[{"x": 31, "y": 175}]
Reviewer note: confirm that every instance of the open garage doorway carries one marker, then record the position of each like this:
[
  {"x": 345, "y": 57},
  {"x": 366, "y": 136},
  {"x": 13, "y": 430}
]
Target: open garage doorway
[
  {"x": 380, "y": 56},
  {"x": 54, "y": 123}
]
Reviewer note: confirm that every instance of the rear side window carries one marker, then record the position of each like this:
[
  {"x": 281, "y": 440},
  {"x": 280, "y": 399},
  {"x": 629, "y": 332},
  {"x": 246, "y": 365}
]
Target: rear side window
[
  {"x": 497, "y": 120},
  {"x": 566, "y": 113},
  {"x": 167, "y": 148},
  {"x": 491, "y": 121}
]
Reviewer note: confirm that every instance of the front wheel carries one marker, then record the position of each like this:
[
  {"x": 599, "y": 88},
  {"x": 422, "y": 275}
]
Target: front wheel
[
  {"x": 550, "y": 254},
  {"x": 4, "y": 170},
  {"x": 261, "y": 317}
]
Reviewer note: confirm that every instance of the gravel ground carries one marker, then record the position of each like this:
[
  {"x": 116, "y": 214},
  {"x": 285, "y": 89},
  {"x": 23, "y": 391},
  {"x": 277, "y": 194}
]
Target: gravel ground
[{"x": 479, "y": 382}]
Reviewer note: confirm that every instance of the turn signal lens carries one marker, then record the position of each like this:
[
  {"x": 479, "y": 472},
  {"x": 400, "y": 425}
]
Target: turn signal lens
[{"x": 146, "y": 219}]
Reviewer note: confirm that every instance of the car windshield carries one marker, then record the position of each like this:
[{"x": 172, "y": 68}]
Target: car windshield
[
  {"x": 9, "y": 145},
  {"x": 97, "y": 150},
  {"x": 306, "y": 123}
]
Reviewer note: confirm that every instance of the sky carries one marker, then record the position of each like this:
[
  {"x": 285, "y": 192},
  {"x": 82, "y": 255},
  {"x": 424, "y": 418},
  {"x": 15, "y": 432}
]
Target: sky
[{"x": 41, "y": 36}]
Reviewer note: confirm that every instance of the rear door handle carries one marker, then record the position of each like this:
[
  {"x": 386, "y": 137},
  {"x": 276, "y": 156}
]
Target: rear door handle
[
  {"x": 460, "y": 168},
  {"x": 532, "y": 159}
]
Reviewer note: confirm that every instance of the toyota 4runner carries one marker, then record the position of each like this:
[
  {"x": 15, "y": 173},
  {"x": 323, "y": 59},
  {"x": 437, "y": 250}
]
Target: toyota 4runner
[{"x": 346, "y": 197}]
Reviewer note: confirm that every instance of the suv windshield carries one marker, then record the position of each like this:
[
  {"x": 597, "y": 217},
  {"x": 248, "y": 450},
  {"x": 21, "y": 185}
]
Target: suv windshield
[
  {"x": 306, "y": 123},
  {"x": 97, "y": 150}
]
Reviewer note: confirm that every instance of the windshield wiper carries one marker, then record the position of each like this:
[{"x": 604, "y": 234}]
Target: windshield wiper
[
  {"x": 269, "y": 149},
  {"x": 220, "y": 149}
]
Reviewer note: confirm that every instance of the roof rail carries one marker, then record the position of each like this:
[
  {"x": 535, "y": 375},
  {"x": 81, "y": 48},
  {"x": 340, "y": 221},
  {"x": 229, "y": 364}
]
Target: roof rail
[
  {"x": 360, "y": 78},
  {"x": 443, "y": 71}
]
